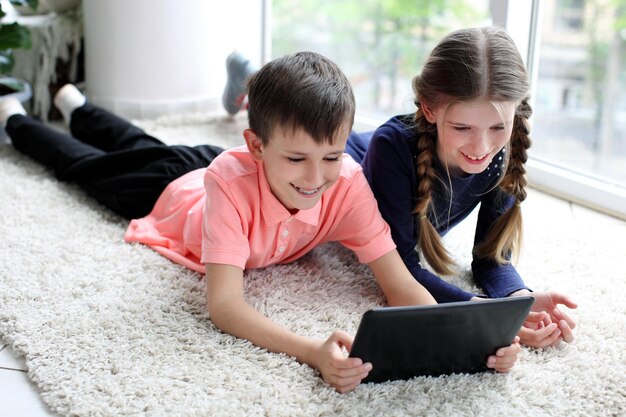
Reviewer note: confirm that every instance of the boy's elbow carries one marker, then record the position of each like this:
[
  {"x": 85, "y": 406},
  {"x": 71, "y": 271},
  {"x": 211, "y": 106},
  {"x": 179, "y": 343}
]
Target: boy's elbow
[
  {"x": 222, "y": 315},
  {"x": 216, "y": 314}
]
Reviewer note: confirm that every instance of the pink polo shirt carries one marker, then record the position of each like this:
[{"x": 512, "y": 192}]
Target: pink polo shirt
[{"x": 227, "y": 214}]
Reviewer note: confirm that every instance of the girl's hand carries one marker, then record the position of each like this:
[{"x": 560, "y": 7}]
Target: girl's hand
[
  {"x": 548, "y": 301},
  {"x": 505, "y": 357},
  {"x": 339, "y": 371},
  {"x": 546, "y": 324},
  {"x": 538, "y": 331}
]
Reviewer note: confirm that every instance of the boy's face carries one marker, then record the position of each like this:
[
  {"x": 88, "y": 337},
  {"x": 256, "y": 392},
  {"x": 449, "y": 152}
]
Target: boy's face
[{"x": 298, "y": 170}]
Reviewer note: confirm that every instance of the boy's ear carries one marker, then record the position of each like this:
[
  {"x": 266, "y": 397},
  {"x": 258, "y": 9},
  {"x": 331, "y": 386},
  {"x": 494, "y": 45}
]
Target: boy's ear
[
  {"x": 254, "y": 143},
  {"x": 429, "y": 114}
]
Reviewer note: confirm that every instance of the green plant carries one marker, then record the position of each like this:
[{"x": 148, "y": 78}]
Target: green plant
[{"x": 12, "y": 36}]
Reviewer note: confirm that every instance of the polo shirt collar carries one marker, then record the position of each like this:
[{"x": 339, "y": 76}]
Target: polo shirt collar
[{"x": 274, "y": 212}]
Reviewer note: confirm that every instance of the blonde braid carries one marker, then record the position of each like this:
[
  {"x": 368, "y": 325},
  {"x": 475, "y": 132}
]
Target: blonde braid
[
  {"x": 430, "y": 243},
  {"x": 505, "y": 235}
]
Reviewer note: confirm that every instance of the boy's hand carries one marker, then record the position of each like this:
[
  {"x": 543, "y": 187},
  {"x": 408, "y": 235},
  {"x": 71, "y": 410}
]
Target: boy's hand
[
  {"x": 339, "y": 371},
  {"x": 505, "y": 357}
]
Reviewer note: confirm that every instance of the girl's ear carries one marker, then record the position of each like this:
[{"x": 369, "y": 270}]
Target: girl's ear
[
  {"x": 429, "y": 114},
  {"x": 254, "y": 143}
]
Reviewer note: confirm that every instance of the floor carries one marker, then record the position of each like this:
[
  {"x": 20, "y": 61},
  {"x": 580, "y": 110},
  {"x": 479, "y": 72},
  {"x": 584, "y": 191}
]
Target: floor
[{"x": 19, "y": 396}]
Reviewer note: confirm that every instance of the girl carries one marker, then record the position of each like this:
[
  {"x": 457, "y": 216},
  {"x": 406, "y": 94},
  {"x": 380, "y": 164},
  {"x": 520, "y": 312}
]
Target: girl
[{"x": 466, "y": 144}]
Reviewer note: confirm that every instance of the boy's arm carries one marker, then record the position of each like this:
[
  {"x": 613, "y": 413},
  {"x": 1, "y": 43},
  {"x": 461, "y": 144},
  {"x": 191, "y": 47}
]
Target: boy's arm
[
  {"x": 232, "y": 314},
  {"x": 398, "y": 284}
]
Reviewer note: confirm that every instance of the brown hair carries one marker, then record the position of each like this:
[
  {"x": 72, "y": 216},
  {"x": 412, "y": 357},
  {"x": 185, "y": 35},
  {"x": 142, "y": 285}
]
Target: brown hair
[
  {"x": 466, "y": 65},
  {"x": 304, "y": 90}
]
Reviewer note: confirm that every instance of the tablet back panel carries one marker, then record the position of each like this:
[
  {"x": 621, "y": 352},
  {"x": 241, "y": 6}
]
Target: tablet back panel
[{"x": 403, "y": 342}]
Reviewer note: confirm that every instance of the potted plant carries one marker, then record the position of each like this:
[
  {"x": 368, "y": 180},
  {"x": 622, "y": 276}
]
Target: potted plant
[
  {"x": 13, "y": 36},
  {"x": 25, "y": 7}
]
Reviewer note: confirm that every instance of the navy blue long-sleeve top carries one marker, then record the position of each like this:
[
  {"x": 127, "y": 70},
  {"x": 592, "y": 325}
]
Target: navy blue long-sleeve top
[{"x": 390, "y": 167}]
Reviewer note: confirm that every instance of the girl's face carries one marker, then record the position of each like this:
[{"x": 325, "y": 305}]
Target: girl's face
[
  {"x": 298, "y": 170},
  {"x": 471, "y": 133}
]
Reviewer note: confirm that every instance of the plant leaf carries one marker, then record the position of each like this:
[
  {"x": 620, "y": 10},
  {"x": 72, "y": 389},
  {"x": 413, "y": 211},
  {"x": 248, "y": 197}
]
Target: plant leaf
[
  {"x": 6, "y": 61},
  {"x": 14, "y": 36},
  {"x": 31, "y": 3}
]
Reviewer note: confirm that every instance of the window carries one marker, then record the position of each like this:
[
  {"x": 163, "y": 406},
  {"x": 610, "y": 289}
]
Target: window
[
  {"x": 575, "y": 52},
  {"x": 579, "y": 122},
  {"x": 380, "y": 44},
  {"x": 569, "y": 15}
]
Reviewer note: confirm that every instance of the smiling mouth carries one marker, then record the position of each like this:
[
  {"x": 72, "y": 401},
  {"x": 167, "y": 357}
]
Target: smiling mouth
[
  {"x": 475, "y": 158},
  {"x": 307, "y": 192}
]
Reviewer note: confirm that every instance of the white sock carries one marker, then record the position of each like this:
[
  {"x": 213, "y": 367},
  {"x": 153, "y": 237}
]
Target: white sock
[
  {"x": 8, "y": 107},
  {"x": 68, "y": 99}
]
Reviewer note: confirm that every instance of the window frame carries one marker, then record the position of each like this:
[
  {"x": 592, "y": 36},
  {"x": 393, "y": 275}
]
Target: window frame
[
  {"x": 570, "y": 185},
  {"x": 523, "y": 20}
]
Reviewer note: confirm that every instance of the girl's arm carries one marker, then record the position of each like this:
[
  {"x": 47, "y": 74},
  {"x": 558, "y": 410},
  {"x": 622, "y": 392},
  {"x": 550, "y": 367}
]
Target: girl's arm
[
  {"x": 401, "y": 289},
  {"x": 232, "y": 314},
  {"x": 388, "y": 167},
  {"x": 547, "y": 324},
  {"x": 497, "y": 280}
]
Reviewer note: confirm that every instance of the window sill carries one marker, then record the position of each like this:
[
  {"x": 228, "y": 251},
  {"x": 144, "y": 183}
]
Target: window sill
[{"x": 587, "y": 191}]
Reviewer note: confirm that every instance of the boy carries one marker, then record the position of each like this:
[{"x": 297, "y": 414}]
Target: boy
[{"x": 289, "y": 189}]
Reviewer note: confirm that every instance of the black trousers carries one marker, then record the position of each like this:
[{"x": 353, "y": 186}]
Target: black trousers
[{"x": 114, "y": 161}]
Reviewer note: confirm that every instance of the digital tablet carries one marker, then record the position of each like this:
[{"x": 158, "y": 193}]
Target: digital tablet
[{"x": 403, "y": 342}]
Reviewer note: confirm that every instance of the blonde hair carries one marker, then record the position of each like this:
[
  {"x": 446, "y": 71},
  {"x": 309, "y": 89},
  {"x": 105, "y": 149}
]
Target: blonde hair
[{"x": 466, "y": 65}]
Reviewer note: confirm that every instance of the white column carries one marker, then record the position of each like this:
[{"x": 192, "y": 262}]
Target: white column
[{"x": 145, "y": 58}]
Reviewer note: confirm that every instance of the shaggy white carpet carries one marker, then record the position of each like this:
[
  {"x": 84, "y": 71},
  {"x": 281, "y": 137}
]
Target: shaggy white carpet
[{"x": 113, "y": 329}]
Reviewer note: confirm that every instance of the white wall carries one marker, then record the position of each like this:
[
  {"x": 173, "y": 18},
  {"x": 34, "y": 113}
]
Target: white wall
[{"x": 145, "y": 58}]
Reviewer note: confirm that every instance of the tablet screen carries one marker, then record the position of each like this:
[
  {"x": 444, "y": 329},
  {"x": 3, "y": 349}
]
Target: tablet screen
[{"x": 403, "y": 342}]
